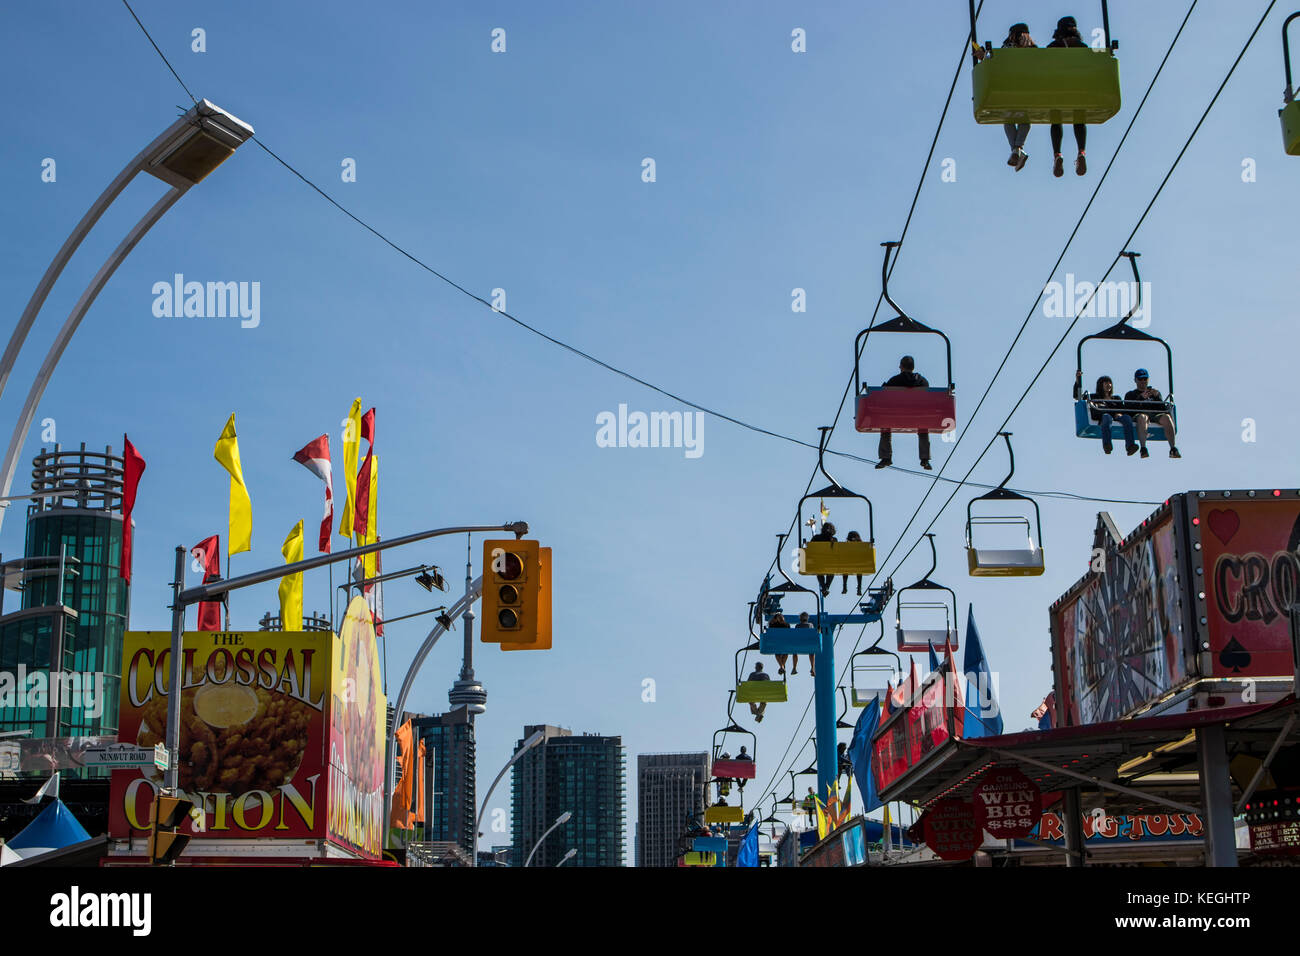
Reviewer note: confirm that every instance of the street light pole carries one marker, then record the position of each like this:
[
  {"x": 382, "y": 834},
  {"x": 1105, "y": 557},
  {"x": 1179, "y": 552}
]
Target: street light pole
[
  {"x": 562, "y": 819},
  {"x": 537, "y": 737},
  {"x": 567, "y": 857},
  {"x": 186, "y": 152}
]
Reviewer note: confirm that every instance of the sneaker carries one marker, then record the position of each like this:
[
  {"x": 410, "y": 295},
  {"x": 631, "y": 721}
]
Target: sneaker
[
  {"x": 1021, "y": 159},
  {"x": 925, "y": 463},
  {"x": 1081, "y": 165},
  {"x": 1107, "y": 449},
  {"x": 1131, "y": 450},
  {"x": 1058, "y": 167},
  {"x": 845, "y": 589},
  {"x": 1174, "y": 452},
  {"x": 1145, "y": 453},
  {"x": 1015, "y": 157},
  {"x": 758, "y": 719},
  {"x": 884, "y": 463}
]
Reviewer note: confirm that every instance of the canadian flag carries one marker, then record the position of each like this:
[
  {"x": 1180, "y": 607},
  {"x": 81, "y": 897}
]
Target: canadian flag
[{"x": 315, "y": 456}]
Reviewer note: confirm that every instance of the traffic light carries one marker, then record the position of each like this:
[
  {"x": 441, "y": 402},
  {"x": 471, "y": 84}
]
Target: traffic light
[
  {"x": 543, "y": 642},
  {"x": 165, "y": 818},
  {"x": 511, "y": 584}
]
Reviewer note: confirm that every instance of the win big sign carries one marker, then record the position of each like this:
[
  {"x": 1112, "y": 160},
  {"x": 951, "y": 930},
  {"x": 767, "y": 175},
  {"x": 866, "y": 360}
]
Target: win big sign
[{"x": 1007, "y": 803}]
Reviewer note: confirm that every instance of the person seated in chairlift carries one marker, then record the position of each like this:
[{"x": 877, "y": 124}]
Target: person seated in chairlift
[
  {"x": 842, "y": 756},
  {"x": 1067, "y": 35},
  {"x": 827, "y": 533},
  {"x": 744, "y": 754},
  {"x": 907, "y": 377},
  {"x": 1145, "y": 393},
  {"x": 1106, "y": 408},
  {"x": 756, "y": 708},
  {"x": 1017, "y": 133},
  {"x": 852, "y": 536},
  {"x": 805, "y": 621}
]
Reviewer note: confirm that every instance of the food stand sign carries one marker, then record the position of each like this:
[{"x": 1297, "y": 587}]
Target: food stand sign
[
  {"x": 952, "y": 830},
  {"x": 1007, "y": 803}
]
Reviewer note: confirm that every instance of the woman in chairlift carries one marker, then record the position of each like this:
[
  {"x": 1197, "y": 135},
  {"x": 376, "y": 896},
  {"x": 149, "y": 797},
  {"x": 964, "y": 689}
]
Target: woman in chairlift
[
  {"x": 1017, "y": 133},
  {"x": 1100, "y": 400},
  {"x": 1066, "y": 35}
]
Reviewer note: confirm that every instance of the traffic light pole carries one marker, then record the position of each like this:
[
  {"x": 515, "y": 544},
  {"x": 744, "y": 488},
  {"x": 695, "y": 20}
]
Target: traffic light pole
[{"x": 183, "y": 597}]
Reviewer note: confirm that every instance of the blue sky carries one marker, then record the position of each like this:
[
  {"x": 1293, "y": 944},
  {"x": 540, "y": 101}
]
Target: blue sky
[{"x": 522, "y": 171}]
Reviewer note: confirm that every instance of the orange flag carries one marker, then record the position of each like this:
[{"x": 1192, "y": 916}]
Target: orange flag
[{"x": 402, "y": 794}]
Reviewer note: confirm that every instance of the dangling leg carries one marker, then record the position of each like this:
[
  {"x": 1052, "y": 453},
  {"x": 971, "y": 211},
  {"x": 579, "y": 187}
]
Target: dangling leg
[
  {"x": 1106, "y": 445},
  {"x": 886, "y": 450},
  {"x": 1081, "y": 140},
  {"x": 1058, "y": 165},
  {"x": 923, "y": 448},
  {"x": 1142, "y": 424}
]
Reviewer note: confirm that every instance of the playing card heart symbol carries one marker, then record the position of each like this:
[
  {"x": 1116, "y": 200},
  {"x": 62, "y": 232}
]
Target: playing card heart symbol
[{"x": 1223, "y": 524}]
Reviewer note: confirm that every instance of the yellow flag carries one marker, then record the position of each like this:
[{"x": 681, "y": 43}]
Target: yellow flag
[
  {"x": 291, "y": 584},
  {"x": 240, "y": 537},
  {"x": 372, "y": 518},
  {"x": 351, "y": 449},
  {"x": 822, "y": 828}
]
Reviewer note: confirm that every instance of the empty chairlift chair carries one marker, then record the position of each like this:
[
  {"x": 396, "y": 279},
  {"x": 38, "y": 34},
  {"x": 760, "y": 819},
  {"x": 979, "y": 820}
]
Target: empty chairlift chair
[
  {"x": 835, "y": 557},
  {"x": 895, "y": 409},
  {"x": 918, "y": 605},
  {"x": 1045, "y": 85},
  {"x": 1005, "y": 562},
  {"x": 1289, "y": 114},
  {"x": 871, "y": 675}
]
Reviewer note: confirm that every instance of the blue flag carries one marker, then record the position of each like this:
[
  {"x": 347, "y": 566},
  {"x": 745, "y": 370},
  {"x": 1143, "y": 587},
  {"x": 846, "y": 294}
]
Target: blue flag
[
  {"x": 747, "y": 855},
  {"x": 934, "y": 658},
  {"x": 860, "y": 754},
  {"x": 983, "y": 716}
]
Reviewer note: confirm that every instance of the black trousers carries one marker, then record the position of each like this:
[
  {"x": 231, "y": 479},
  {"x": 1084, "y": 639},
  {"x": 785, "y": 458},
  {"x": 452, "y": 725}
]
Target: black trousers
[
  {"x": 1080, "y": 136},
  {"x": 887, "y": 446}
]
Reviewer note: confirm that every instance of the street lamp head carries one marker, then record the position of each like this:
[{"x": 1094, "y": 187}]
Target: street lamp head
[
  {"x": 537, "y": 737},
  {"x": 564, "y": 817},
  {"x": 208, "y": 137}
]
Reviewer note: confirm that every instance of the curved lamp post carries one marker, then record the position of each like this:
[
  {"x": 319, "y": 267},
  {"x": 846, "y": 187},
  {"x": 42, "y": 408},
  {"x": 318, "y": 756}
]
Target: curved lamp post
[
  {"x": 567, "y": 857},
  {"x": 562, "y": 819},
  {"x": 193, "y": 146},
  {"x": 529, "y": 744}
]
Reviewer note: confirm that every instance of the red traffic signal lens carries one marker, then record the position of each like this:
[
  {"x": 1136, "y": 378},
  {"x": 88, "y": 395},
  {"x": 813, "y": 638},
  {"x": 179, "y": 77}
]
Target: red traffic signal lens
[{"x": 511, "y": 566}]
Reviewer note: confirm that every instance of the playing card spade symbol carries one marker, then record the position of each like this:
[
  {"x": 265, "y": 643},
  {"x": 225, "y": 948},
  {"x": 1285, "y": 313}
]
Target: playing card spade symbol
[{"x": 1235, "y": 656}]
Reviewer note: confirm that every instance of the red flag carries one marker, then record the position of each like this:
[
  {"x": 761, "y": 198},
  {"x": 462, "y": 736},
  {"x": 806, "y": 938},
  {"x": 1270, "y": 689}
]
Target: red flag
[
  {"x": 362, "y": 496},
  {"x": 315, "y": 456},
  {"x": 955, "y": 699},
  {"x": 419, "y": 782},
  {"x": 208, "y": 552},
  {"x": 133, "y": 468}
]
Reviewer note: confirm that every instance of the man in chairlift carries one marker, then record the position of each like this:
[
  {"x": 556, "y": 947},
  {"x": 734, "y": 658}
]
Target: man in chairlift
[
  {"x": 1147, "y": 397},
  {"x": 756, "y": 708},
  {"x": 906, "y": 378}
]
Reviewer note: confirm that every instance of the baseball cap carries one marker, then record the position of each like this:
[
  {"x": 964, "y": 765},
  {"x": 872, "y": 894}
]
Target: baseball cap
[{"x": 1141, "y": 373}]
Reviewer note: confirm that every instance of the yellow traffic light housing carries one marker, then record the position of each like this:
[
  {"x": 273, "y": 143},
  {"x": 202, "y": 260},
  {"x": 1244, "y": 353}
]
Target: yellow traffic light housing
[
  {"x": 512, "y": 577},
  {"x": 165, "y": 818},
  {"x": 543, "y": 641}
]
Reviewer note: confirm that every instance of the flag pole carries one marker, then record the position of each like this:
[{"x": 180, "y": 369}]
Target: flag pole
[{"x": 226, "y": 602}]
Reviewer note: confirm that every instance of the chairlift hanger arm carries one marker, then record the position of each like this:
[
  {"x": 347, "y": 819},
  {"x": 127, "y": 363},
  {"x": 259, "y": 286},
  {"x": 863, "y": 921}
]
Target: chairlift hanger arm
[
  {"x": 900, "y": 323},
  {"x": 1286, "y": 54}
]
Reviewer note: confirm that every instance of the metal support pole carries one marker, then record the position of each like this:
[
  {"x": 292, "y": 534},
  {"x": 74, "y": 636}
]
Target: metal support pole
[
  {"x": 529, "y": 744},
  {"x": 1073, "y": 829},
  {"x": 1216, "y": 795},
  {"x": 174, "y": 688},
  {"x": 824, "y": 686}
]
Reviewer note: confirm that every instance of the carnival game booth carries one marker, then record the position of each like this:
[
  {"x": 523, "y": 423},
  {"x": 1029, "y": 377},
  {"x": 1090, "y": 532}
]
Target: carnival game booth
[{"x": 1174, "y": 660}]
